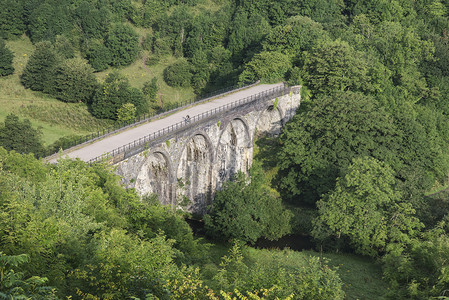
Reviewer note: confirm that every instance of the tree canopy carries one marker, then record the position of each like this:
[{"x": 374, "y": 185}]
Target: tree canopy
[
  {"x": 245, "y": 211},
  {"x": 366, "y": 207},
  {"x": 20, "y": 136},
  {"x": 323, "y": 138}
]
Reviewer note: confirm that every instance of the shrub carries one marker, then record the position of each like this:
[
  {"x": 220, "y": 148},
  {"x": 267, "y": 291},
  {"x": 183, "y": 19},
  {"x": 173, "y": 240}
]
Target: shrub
[
  {"x": 178, "y": 74},
  {"x": 123, "y": 44},
  {"x": 126, "y": 112},
  {"x": 74, "y": 81}
]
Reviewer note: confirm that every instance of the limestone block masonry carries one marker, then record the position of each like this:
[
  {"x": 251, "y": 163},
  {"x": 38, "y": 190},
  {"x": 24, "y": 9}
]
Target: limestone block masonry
[{"x": 186, "y": 167}]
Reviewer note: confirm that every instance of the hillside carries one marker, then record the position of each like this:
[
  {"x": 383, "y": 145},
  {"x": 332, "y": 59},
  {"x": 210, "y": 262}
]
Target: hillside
[{"x": 361, "y": 171}]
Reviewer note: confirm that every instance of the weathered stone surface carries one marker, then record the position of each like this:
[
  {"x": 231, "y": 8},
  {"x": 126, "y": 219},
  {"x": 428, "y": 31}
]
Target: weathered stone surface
[{"x": 188, "y": 166}]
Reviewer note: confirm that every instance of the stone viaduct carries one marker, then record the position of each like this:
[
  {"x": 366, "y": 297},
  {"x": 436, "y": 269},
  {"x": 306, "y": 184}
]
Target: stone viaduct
[{"x": 188, "y": 162}]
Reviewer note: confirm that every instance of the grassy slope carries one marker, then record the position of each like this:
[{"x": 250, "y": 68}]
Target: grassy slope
[
  {"x": 361, "y": 276},
  {"x": 138, "y": 74},
  {"x": 56, "y": 118}
]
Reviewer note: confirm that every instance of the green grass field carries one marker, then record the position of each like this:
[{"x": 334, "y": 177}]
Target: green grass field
[{"x": 138, "y": 73}]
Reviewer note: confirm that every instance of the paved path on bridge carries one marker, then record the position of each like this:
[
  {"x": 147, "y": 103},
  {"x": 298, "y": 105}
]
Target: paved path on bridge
[{"x": 112, "y": 142}]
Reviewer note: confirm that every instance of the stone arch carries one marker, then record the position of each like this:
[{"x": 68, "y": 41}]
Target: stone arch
[
  {"x": 233, "y": 151},
  {"x": 155, "y": 175},
  {"x": 245, "y": 139},
  {"x": 269, "y": 121},
  {"x": 194, "y": 174}
]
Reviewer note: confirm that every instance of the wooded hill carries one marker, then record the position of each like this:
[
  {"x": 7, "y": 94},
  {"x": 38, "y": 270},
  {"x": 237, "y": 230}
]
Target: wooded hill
[{"x": 360, "y": 168}]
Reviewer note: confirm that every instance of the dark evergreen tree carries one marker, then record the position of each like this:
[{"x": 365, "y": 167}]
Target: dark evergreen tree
[
  {"x": 94, "y": 21},
  {"x": 39, "y": 70},
  {"x": 64, "y": 47},
  {"x": 11, "y": 14},
  {"x": 20, "y": 136},
  {"x": 6, "y": 58},
  {"x": 122, "y": 10},
  {"x": 99, "y": 56},
  {"x": 49, "y": 20}
]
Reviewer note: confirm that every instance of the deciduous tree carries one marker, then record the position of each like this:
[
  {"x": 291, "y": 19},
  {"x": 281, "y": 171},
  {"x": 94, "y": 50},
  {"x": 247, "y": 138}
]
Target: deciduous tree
[
  {"x": 74, "y": 81},
  {"x": 335, "y": 66},
  {"x": 267, "y": 67},
  {"x": 366, "y": 207},
  {"x": 246, "y": 210},
  {"x": 323, "y": 138}
]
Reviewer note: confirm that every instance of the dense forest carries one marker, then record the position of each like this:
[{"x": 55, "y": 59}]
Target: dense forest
[{"x": 362, "y": 169}]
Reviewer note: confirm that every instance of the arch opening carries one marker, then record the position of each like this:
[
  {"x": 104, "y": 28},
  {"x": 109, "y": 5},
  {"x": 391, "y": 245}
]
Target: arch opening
[
  {"x": 269, "y": 122},
  {"x": 234, "y": 151},
  {"x": 193, "y": 190},
  {"x": 154, "y": 177}
]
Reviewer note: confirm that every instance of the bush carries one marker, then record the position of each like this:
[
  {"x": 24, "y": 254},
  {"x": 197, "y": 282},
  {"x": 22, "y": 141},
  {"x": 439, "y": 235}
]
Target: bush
[
  {"x": 178, "y": 74},
  {"x": 74, "y": 81},
  {"x": 20, "y": 136},
  {"x": 419, "y": 270},
  {"x": 304, "y": 278},
  {"x": 123, "y": 44},
  {"x": 64, "y": 142}
]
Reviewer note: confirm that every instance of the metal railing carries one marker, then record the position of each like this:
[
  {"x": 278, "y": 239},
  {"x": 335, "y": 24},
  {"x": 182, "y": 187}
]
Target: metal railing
[
  {"x": 262, "y": 96},
  {"x": 169, "y": 108}
]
